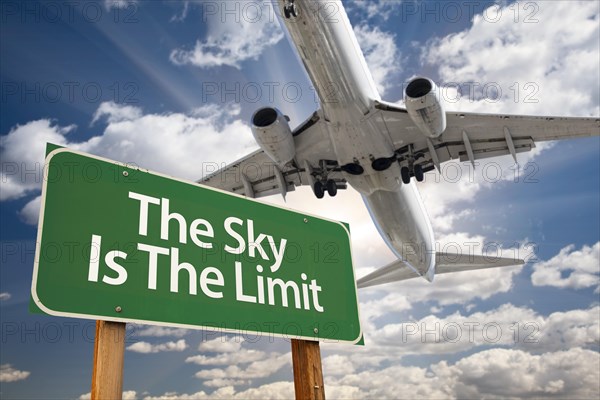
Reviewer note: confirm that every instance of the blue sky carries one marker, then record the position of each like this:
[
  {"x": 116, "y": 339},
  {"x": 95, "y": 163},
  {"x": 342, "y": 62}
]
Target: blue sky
[{"x": 171, "y": 85}]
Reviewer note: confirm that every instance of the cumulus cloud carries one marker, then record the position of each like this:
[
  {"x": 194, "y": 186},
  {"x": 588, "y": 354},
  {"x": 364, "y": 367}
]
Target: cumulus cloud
[
  {"x": 337, "y": 365},
  {"x": 492, "y": 374},
  {"x": 459, "y": 183},
  {"x": 235, "y": 39},
  {"x": 4, "y": 296},
  {"x": 270, "y": 391},
  {"x": 145, "y": 347},
  {"x": 381, "y": 54},
  {"x": 181, "y": 145},
  {"x": 562, "y": 69},
  {"x": 558, "y": 374},
  {"x": 570, "y": 268},
  {"x": 223, "y": 344},
  {"x": 257, "y": 369},
  {"x": 507, "y": 325},
  {"x": 22, "y": 155},
  {"x": 31, "y": 212},
  {"x": 242, "y": 356},
  {"x": 114, "y": 112},
  {"x": 158, "y": 331},
  {"x": 9, "y": 374},
  {"x": 127, "y": 395}
]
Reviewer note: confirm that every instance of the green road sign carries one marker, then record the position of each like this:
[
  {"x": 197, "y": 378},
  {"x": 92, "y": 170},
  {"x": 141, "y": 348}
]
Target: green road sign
[{"x": 123, "y": 244}]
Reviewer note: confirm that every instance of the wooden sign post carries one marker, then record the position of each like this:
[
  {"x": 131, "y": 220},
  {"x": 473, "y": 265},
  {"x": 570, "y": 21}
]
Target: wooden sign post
[
  {"x": 308, "y": 372},
  {"x": 109, "y": 350}
]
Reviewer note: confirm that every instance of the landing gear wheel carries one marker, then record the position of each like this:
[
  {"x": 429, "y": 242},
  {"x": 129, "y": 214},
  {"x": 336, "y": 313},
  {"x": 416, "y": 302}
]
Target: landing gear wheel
[
  {"x": 419, "y": 173},
  {"x": 405, "y": 173},
  {"x": 331, "y": 188},
  {"x": 319, "y": 190}
]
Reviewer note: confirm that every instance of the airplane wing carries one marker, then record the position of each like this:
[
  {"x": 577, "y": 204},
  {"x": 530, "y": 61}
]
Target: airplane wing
[
  {"x": 256, "y": 175},
  {"x": 468, "y": 137},
  {"x": 444, "y": 263},
  {"x": 473, "y": 136}
]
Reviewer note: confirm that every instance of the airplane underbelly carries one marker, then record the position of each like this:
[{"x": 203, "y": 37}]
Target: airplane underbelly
[
  {"x": 403, "y": 223},
  {"x": 358, "y": 141},
  {"x": 328, "y": 48}
]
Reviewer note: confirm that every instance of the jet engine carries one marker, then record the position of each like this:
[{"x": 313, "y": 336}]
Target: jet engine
[
  {"x": 423, "y": 103},
  {"x": 273, "y": 134}
]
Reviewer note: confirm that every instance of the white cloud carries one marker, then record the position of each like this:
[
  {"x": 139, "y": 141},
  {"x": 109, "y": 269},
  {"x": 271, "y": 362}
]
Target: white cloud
[
  {"x": 381, "y": 54},
  {"x": 9, "y": 374},
  {"x": 337, "y": 365},
  {"x": 223, "y": 344},
  {"x": 234, "y": 39},
  {"x": 31, "y": 212},
  {"x": 145, "y": 347},
  {"x": 570, "y": 268},
  {"x": 270, "y": 391},
  {"x": 257, "y": 369},
  {"x": 242, "y": 356},
  {"x": 573, "y": 374},
  {"x": 158, "y": 331},
  {"x": 127, "y": 395},
  {"x": 4, "y": 296},
  {"x": 562, "y": 69},
  {"x": 22, "y": 155},
  {"x": 182, "y": 15},
  {"x": 507, "y": 325},
  {"x": 494, "y": 373},
  {"x": 367, "y": 9},
  {"x": 119, "y": 4},
  {"x": 116, "y": 112},
  {"x": 184, "y": 146},
  {"x": 459, "y": 182},
  {"x": 392, "y": 302}
]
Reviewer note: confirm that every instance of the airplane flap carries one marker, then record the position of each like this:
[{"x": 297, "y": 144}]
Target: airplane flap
[{"x": 444, "y": 263}]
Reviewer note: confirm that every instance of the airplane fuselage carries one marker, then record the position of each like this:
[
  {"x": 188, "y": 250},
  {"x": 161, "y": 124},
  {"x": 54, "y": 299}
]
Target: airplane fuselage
[{"x": 329, "y": 50}]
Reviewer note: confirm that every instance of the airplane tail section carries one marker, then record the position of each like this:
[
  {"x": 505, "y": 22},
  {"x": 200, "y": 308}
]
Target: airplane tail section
[{"x": 444, "y": 263}]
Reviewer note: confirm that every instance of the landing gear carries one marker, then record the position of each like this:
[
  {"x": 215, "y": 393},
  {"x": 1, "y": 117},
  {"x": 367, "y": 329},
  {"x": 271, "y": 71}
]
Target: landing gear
[
  {"x": 405, "y": 173},
  {"x": 319, "y": 190},
  {"x": 418, "y": 171},
  {"x": 290, "y": 10},
  {"x": 408, "y": 158},
  {"x": 331, "y": 188}
]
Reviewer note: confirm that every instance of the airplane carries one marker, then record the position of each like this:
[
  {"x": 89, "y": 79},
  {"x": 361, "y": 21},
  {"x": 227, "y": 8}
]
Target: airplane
[{"x": 377, "y": 147}]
